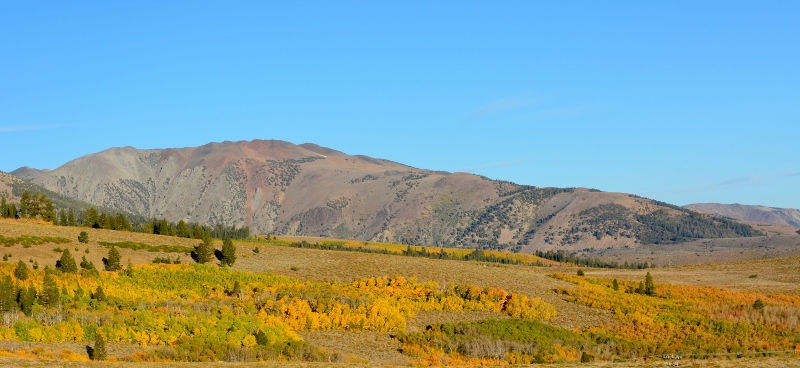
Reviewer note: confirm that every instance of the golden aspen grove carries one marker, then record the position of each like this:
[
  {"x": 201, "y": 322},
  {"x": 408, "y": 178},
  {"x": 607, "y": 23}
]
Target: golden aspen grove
[{"x": 255, "y": 310}]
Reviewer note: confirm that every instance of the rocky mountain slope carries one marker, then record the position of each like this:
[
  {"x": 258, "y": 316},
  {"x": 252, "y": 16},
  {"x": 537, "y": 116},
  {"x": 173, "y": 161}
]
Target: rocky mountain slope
[
  {"x": 279, "y": 187},
  {"x": 770, "y": 215}
]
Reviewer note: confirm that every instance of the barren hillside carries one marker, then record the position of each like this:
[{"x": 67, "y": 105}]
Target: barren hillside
[
  {"x": 770, "y": 215},
  {"x": 279, "y": 187}
]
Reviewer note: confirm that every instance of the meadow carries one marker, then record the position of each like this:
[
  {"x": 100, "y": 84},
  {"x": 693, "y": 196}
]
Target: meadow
[{"x": 316, "y": 307}]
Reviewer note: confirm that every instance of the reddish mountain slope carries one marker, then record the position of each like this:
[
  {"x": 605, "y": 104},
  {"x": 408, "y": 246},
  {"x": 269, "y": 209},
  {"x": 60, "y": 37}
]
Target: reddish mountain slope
[{"x": 279, "y": 187}]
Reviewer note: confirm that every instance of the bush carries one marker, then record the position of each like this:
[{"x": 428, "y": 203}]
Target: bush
[
  {"x": 580, "y": 273},
  {"x": 758, "y": 304},
  {"x": 83, "y": 237}
]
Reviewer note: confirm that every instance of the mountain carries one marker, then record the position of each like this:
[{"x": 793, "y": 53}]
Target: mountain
[
  {"x": 12, "y": 187},
  {"x": 279, "y": 187},
  {"x": 770, "y": 215}
]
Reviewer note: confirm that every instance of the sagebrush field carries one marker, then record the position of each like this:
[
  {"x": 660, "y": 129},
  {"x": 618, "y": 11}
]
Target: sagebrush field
[{"x": 300, "y": 306}]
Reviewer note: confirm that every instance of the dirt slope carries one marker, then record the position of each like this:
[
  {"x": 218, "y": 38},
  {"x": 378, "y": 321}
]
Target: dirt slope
[
  {"x": 279, "y": 187},
  {"x": 770, "y": 215}
]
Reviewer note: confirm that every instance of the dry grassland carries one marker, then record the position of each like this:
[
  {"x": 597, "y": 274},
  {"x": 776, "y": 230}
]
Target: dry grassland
[{"x": 377, "y": 349}]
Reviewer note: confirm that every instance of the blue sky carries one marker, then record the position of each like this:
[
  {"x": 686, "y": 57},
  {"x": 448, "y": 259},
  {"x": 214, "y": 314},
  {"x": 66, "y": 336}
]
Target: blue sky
[{"x": 681, "y": 101}]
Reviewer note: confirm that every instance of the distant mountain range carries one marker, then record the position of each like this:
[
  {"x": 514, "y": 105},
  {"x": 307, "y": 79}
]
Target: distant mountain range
[
  {"x": 770, "y": 215},
  {"x": 283, "y": 188}
]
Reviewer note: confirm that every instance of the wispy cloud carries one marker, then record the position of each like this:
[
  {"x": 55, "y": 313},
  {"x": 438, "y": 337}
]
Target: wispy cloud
[
  {"x": 494, "y": 165},
  {"x": 563, "y": 112},
  {"x": 19, "y": 128},
  {"x": 499, "y": 106},
  {"x": 739, "y": 181}
]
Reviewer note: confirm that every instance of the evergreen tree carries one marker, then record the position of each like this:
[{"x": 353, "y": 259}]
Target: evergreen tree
[
  {"x": 67, "y": 262},
  {"x": 99, "y": 294},
  {"x": 24, "y": 203},
  {"x": 99, "y": 350},
  {"x": 48, "y": 212},
  {"x": 198, "y": 232},
  {"x": 113, "y": 260},
  {"x": 228, "y": 252},
  {"x": 123, "y": 223},
  {"x": 640, "y": 290},
  {"x": 71, "y": 218},
  {"x": 27, "y": 297},
  {"x": 615, "y": 285},
  {"x": 91, "y": 217},
  {"x": 8, "y": 295},
  {"x": 78, "y": 292},
  {"x": 182, "y": 230},
  {"x": 649, "y": 285},
  {"x": 83, "y": 237},
  {"x": 204, "y": 251},
  {"x": 51, "y": 295},
  {"x": 62, "y": 220},
  {"x": 21, "y": 272},
  {"x": 3, "y": 207}
]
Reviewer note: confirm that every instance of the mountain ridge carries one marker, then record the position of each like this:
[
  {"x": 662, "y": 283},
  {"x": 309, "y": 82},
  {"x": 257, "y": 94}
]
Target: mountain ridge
[
  {"x": 754, "y": 213},
  {"x": 279, "y": 187}
]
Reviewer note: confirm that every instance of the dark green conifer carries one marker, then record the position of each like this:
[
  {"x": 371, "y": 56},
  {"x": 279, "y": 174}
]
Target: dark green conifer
[
  {"x": 83, "y": 237},
  {"x": 99, "y": 350},
  {"x": 649, "y": 285},
  {"x": 67, "y": 262},
  {"x": 27, "y": 297},
  {"x": 113, "y": 260},
  {"x": 8, "y": 295},
  {"x": 99, "y": 294},
  {"x": 21, "y": 272},
  {"x": 62, "y": 218},
  {"x": 51, "y": 296},
  {"x": 71, "y": 218},
  {"x": 228, "y": 252}
]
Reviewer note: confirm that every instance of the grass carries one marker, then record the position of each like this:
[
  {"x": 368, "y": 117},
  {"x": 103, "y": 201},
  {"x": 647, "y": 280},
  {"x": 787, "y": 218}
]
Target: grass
[
  {"x": 150, "y": 248},
  {"x": 28, "y": 240},
  {"x": 774, "y": 276}
]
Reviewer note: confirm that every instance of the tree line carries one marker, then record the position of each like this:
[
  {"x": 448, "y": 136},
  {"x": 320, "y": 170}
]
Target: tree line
[
  {"x": 38, "y": 206},
  {"x": 564, "y": 257}
]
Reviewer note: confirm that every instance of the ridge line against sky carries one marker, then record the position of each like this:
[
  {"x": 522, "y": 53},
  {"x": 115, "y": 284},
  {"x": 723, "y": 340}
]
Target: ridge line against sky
[{"x": 682, "y": 102}]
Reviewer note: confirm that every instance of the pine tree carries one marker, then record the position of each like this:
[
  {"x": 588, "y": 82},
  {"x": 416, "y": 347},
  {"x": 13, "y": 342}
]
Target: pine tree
[
  {"x": 204, "y": 251},
  {"x": 71, "y": 218},
  {"x": 113, "y": 260},
  {"x": 78, "y": 292},
  {"x": 24, "y": 203},
  {"x": 183, "y": 230},
  {"x": 21, "y": 272},
  {"x": 51, "y": 295},
  {"x": 3, "y": 207},
  {"x": 640, "y": 290},
  {"x": 99, "y": 350},
  {"x": 27, "y": 297},
  {"x": 228, "y": 252},
  {"x": 99, "y": 294},
  {"x": 48, "y": 212},
  {"x": 67, "y": 262},
  {"x": 62, "y": 220},
  {"x": 649, "y": 285},
  {"x": 615, "y": 285},
  {"x": 8, "y": 295}
]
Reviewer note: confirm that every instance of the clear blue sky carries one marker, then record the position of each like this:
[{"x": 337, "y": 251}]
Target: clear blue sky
[{"x": 681, "y": 101}]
